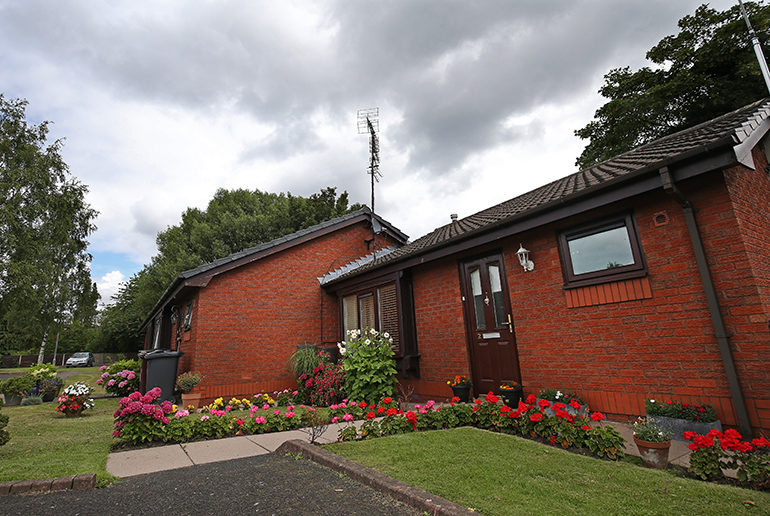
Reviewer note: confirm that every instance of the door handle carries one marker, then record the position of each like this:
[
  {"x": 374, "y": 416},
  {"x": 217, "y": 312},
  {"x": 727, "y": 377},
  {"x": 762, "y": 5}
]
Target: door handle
[{"x": 510, "y": 324}]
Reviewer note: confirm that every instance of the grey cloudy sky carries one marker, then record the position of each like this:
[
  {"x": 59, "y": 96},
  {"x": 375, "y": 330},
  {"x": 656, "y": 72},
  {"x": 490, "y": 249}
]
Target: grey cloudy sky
[{"x": 163, "y": 102}]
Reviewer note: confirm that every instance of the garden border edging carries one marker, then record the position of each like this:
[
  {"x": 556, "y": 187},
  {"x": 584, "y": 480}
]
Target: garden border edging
[
  {"x": 418, "y": 498},
  {"x": 74, "y": 482}
]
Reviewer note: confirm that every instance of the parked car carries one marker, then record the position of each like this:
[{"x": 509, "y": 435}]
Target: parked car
[{"x": 80, "y": 359}]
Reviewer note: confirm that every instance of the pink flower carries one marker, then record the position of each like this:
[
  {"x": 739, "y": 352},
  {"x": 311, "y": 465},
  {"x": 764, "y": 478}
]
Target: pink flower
[
  {"x": 103, "y": 368},
  {"x": 290, "y": 407},
  {"x": 204, "y": 418},
  {"x": 110, "y": 383},
  {"x": 277, "y": 412},
  {"x": 348, "y": 417},
  {"x": 335, "y": 419},
  {"x": 259, "y": 420},
  {"x": 121, "y": 384},
  {"x": 105, "y": 375},
  {"x": 182, "y": 413},
  {"x": 290, "y": 414},
  {"x": 265, "y": 407}
]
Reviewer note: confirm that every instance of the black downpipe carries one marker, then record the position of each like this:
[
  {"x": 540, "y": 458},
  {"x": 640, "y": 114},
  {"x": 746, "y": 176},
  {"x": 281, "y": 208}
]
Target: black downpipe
[{"x": 720, "y": 331}]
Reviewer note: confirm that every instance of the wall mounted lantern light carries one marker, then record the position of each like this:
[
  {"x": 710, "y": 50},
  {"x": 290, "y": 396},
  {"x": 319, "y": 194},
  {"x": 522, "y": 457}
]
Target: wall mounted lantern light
[
  {"x": 524, "y": 260},
  {"x": 174, "y": 314}
]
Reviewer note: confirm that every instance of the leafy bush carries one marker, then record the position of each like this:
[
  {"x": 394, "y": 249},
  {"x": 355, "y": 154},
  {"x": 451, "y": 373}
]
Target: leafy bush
[
  {"x": 140, "y": 419},
  {"x": 370, "y": 369},
  {"x": 43, "y": 372},
  {"x": 324, "y": 385},
  {"x": 4, "y": 435},
  {"x": 676, "y": 409},
  {"x": 17, "y": 385},
  {"x": 120, "y": 378},
  {"x": 304, "y": 360},
  {"x": 31, "y": 399},
  {"x": 716, "y": 451},
  {"x": 185, "y": 382}
]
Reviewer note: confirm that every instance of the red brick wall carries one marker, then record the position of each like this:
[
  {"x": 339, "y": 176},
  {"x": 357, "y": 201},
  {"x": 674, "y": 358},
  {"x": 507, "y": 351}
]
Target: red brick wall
[
  {"x": 248, "y": 321},
  {"x": 619, "y": 353}
]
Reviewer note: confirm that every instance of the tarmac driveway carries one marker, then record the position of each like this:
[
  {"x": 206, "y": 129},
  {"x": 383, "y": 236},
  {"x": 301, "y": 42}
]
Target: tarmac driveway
[{"x": 270, "y": 484}]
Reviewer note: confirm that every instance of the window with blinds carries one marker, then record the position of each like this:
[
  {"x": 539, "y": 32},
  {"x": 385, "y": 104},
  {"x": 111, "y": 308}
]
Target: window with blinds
[{"x": 373, "y": 308}]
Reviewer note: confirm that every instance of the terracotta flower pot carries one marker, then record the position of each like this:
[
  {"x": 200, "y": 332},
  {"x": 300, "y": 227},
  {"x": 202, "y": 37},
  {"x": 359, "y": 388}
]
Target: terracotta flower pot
[
  {"x": 654, "y": 455},
  {"x": 189, "y": 398}
]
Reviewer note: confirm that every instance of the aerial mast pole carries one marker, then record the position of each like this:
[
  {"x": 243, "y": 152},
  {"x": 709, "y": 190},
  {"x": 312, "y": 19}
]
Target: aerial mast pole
[
  {"x": 757, "y": 47},
  {"x": 369, "y": 122}
]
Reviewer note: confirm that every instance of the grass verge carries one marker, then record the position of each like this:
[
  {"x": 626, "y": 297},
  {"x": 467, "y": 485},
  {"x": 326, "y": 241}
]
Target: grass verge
[
  {"x": 499, "y": 474},
  {"x": 46, "y": 444}
]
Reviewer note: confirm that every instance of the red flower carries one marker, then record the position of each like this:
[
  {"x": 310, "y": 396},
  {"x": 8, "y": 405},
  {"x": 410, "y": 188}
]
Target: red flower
[
  {"x": 491, "y": 398},
  {"x": 537, "y": 416},
  {"x": 412, "y": 418},
  {"x": 387, "y": 400},
  {"x": 597, "y": 416},
  {"x": 362, "y": 404},
  {"x": 574, "y": 404},
  {"x": 690, "y": 435},
  {"x": 504, "y": 409},
  {"x": 239, "y": 422},
  {"x": 380, "y": 410},
  {"x": 531, "y": 399},
  {"x": 552, "y": 440},
  {"x": 561, "y": 414},
  {"x": 544, "y": 404},
  {"x": 391, "y": 412},
  {"x": 585, "y": 427},
  {"x": 371, "y": 415},
  {"x": 455, "y": 400}
]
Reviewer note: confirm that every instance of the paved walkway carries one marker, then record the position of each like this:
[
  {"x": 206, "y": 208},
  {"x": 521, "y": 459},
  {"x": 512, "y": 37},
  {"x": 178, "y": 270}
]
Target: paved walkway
[{"x": 161, "y": 458}]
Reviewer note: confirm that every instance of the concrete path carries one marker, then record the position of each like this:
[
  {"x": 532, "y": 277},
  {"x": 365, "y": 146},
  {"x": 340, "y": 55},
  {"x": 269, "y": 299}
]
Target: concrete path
[{"x": 161, "y": 458}]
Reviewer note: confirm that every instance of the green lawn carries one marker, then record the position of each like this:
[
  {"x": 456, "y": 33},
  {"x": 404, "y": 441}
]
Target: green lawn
[
  {"x": 46, "y": 444},
  {"x": 499, "y": 474}
]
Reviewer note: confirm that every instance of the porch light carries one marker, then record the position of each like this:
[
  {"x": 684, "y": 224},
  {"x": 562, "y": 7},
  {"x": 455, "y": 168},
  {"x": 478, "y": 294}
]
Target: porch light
[
  {"x": 174, "y": 314},
  {"x": 524, "y": 260}
]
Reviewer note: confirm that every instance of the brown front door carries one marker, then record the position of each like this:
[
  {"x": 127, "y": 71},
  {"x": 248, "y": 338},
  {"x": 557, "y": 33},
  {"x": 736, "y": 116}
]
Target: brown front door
[{"x": 489, "y": 324}]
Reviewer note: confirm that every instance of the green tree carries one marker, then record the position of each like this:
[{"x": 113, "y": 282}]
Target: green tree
[
  {"x": 44, "y": 222},
  {"x": 706, "y": 70},
  {"x": 233, "y": 221}
]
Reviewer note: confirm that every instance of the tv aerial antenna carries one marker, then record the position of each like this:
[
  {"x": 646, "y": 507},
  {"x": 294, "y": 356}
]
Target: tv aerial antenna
[{"x": 369, "y": 122}]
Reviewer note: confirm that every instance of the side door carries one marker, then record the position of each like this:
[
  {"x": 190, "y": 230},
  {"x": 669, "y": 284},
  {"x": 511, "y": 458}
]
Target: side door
[{"x": 489, "y": 324}]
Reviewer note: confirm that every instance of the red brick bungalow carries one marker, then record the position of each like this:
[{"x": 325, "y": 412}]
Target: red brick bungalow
[
  {"x": 651, "y": 278},
  {"x": 238, "y": 319}
]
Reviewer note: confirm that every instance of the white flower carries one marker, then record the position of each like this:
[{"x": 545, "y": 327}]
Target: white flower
[
  {"x": 367, "y": 342},
  {"x": 372, "y": 331},
  {"x": 386, "y": 335},
  {"x": 652, "y": 401}
]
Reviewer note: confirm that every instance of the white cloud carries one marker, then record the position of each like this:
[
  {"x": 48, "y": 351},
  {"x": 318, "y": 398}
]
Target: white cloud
[{"x": 109, "y": 284}]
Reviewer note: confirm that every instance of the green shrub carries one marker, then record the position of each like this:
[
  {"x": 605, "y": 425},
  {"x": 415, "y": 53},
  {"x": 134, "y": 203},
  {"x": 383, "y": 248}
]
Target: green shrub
[
  {"x": 304, "y": 360},
  {"x": 370, "y": 369},
  {"x": 31, "y": 399},
  {"x": 17, "y": 385},
  {"x": 4, "y": 435},
  {"x": 120, "y": 378}
]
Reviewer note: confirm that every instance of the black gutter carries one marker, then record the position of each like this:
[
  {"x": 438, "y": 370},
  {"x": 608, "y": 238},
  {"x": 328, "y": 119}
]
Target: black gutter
[{"x": 720, "y": 331}]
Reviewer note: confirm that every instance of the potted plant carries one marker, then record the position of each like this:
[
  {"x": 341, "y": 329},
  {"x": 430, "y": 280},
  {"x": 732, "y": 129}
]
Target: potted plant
[
  {"x": 75, "y": 399},
  {"x": 511, "y": 393},
  {"x": 15, "y": 387},
  {"x": 678, "y": 418},
  {"x": 653, "y": 443},
  {"x": 461, "y": 387},
  {"x": 49, "y": 389},
  {"x": 185, "y": 383}
]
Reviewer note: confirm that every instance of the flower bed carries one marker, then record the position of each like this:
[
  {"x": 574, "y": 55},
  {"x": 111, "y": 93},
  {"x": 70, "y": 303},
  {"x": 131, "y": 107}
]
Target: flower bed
[{"x": 716, "y": 452}]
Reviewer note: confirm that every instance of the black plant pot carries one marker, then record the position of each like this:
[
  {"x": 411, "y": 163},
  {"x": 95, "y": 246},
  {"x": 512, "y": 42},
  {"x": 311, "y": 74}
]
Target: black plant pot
[
  {"x": 511, "y": 397},
  {"x": 463, "y": 392}
]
